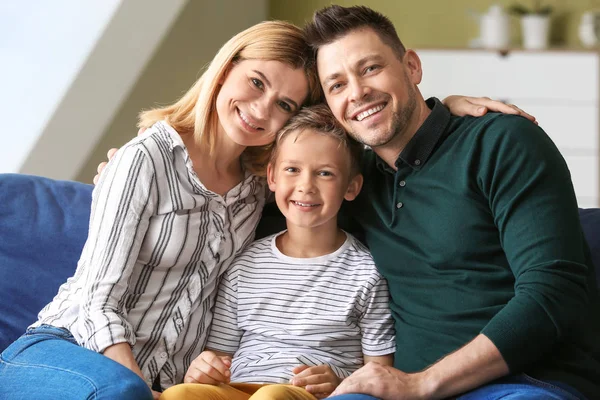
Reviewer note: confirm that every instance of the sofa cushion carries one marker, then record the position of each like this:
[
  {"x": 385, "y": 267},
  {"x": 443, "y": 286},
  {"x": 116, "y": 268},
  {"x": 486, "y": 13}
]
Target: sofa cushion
[
  {"x": 590, "y": 222},
  {"x": 43, "y": 227}
]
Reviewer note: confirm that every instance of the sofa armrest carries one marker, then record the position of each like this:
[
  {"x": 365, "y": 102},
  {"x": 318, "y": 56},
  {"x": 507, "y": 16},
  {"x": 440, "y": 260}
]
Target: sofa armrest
[{"x": 43, "y": 226}]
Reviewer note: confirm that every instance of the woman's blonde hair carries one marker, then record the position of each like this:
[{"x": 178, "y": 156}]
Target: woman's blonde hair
[{"x": 195, "y": 111}]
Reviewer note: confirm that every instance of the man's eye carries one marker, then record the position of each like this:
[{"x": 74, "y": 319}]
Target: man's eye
[
  {"x": 371, "y": 68},
  {"x": 335, "y": 87}
]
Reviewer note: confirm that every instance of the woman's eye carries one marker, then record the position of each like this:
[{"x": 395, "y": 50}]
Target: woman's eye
[
  {"x": 258, "y": 83},
  {"x": 285, "y": 106},
  {"x": 290, "y": 169}
]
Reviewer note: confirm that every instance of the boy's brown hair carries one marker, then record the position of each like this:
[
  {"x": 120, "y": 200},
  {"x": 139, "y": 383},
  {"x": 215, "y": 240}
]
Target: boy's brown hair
[{"x": 319, "y": 119}]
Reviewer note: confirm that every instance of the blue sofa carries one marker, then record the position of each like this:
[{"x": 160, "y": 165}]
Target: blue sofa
[{"x": 43, "y": 227}]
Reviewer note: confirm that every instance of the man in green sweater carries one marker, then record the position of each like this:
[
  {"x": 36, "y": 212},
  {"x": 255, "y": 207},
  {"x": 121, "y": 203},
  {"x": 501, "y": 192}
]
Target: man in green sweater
[{"x": 474, "y": 223}]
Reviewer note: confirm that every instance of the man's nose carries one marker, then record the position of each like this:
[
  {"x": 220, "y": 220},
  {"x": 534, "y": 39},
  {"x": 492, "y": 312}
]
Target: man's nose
[{"x": 358, "y": 90}]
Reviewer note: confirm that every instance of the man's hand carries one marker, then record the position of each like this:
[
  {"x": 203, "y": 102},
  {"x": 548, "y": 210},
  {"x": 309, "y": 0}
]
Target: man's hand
[
  {"x": 110, "y": 155},
  {"x": 320, "y": 381},
  {"x": 478, "y": 106},
  {"x": 209, "y": 368},
  {"x": 384, "y": 382},
  {"x": 102, "y": 165}
]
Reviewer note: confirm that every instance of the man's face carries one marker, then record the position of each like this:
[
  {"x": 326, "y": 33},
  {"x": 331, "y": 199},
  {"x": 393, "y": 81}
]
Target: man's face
[{"x": 368, "y": 88}]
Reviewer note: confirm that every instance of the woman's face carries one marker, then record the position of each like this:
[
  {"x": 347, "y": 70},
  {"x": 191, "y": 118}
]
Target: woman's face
[{"x": 257, "y": 98}]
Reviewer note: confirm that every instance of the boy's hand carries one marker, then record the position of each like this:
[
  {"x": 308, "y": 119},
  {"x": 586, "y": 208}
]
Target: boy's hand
[
  {"x": 209, "y": 368},
  {"x": 320, "y": 381}
]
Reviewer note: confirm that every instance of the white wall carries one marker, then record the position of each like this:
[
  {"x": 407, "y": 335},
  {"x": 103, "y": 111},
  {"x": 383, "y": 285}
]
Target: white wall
[
  {"x": 43, "y": 44},
  {"x": 66, "y": 66}
]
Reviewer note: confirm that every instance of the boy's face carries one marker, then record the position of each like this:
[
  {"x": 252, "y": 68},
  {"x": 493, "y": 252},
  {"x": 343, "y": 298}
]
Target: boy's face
[{"x": 310, "y": 178}]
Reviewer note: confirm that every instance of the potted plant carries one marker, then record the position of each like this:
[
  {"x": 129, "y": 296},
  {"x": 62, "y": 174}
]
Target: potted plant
[{"x": 535, "y": 24}]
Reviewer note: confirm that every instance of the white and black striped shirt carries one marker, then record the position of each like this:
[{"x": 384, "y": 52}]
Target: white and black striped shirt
[
  {"x": 158, "y": 243},
  {"x": 275, "y": 312}
]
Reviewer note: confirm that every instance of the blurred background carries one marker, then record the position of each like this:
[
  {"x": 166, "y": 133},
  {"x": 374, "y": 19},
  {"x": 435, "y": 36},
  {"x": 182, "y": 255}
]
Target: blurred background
[{"x": 75, "y": 74}]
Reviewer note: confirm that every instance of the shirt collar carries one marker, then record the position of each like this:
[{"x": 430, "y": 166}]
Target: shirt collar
[{"x": 421, "y": 146}]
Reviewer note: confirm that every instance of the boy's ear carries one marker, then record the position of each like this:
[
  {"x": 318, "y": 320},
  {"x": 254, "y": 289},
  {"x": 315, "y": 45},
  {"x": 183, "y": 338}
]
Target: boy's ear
[
  {"x": 271, "y": 177},
  {"x": 354, "y": 187}
]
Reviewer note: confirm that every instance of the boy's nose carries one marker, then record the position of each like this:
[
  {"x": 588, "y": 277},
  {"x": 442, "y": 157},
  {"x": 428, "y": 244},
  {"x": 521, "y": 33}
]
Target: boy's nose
[{"x": 307, "y": 185}]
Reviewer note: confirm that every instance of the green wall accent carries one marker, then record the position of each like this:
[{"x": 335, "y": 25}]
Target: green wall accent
[{"x": 444, "y": 23}]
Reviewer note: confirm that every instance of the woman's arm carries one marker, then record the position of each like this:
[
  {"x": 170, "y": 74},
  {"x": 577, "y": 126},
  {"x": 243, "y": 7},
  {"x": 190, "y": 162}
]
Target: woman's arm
[
  {"x": 478, "y": 106},
  {"x": 122, "y": 204}
]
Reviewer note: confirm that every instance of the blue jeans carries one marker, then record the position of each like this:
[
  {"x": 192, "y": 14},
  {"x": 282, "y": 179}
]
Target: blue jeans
[
  {"x": 509, "y": 388},
  {"x": 47, "y": 363}
]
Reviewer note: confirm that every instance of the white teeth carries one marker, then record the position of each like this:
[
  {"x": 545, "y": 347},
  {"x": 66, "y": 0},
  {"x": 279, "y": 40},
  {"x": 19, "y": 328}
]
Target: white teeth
[
  {"x": 243, "y": 116},
  {"x": 369, "y": 112},
  {"x": 304, "y": 204}
]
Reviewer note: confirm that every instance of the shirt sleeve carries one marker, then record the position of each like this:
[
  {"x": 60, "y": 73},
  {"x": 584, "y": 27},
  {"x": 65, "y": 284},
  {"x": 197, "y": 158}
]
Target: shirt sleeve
[
  {"x": 376, "y": 322},
  {"x": 225, "y": 335},
  {"x": 529, "y": 190},
  {"x": 122, "y": 204}
]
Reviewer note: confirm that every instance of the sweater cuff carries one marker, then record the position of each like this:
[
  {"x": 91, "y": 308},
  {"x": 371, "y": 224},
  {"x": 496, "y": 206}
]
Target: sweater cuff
[{"x": 522, "y": 332}]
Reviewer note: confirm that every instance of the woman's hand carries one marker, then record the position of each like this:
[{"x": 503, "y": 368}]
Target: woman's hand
[
  {"x": 478, "y": 106},
  {"x": 320, "y": 381},
  {"x": 210, "y": 368}
]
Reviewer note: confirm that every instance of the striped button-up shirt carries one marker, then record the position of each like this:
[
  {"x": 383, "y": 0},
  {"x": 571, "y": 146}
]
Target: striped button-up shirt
[{"x": 158, "y": 243}]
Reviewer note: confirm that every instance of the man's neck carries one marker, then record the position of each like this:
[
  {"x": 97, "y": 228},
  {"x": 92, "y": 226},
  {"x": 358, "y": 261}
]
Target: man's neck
[
  {"x": 390, "y": 152},
  {"x": 299, "y": 242}
]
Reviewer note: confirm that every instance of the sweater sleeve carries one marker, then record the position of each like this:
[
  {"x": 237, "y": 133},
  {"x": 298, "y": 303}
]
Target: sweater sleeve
[
  {"x": 122, "y": 205},
  {"x": 529, "y": 190}
]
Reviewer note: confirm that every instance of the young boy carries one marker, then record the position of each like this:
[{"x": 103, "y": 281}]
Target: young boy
[{"x": 305, "y": 306}]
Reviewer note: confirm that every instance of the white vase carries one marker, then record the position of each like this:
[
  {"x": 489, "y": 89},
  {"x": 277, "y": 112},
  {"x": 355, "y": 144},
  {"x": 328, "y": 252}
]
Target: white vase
[{"x": 535, "y": 31}]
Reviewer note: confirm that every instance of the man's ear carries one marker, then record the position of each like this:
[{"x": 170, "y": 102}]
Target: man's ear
[
  {"x": 412, "y": 62},
  {"x": 354, "y": 187},
  {"x": 271, "y": 177}
]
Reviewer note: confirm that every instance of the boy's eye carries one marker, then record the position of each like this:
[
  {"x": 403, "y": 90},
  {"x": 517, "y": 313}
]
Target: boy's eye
[
  {"x": 326, "y": 173},
  {"x": 257, "y": 82},
  {"x": 285, "y": 106}
]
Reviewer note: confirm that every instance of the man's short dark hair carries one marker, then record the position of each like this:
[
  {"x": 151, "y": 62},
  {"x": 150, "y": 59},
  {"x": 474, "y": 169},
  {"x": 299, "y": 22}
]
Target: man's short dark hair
[{"x": 332, "y": 22}]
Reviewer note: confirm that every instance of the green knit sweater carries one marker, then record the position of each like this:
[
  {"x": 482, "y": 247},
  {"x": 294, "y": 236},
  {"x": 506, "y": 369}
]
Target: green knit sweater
[{"x": 478, "y": 232}]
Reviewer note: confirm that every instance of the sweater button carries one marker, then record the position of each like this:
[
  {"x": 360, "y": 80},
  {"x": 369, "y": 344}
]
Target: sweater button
[
  {"x": 399, "y": 205},
  {"x": 402, "y": 183}
]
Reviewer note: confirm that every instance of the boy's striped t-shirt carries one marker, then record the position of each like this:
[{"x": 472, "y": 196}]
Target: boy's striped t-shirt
[{"x": 275, "y": 312}]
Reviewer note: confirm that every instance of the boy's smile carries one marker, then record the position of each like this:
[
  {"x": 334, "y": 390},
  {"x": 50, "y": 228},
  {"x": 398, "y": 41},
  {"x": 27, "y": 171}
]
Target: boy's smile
[{"x": 311, "y": 178}]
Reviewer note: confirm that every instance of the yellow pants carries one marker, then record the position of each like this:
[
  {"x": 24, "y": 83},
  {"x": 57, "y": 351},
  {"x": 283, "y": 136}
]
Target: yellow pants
[{"x": 235, "y": 391}]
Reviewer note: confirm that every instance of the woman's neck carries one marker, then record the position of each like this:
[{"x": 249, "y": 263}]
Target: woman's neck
[{"x": 219, "y": 170}]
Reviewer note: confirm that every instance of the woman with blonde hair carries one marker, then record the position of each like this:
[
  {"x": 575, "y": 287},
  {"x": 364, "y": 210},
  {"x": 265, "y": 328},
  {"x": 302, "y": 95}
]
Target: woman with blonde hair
[{"x": 171, "y": 210}]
